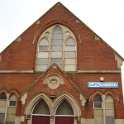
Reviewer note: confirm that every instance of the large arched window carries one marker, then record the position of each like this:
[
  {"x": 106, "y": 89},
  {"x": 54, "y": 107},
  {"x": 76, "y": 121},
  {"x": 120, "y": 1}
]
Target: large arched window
[
  {"x": 11, "y": 111},
  {"x": 98, "y": 109},
  {"x": 56, "y": 45}
]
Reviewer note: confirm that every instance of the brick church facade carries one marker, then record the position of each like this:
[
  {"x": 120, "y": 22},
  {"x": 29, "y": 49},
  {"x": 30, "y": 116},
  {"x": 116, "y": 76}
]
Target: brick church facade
[{"x": 59, "y": 71}]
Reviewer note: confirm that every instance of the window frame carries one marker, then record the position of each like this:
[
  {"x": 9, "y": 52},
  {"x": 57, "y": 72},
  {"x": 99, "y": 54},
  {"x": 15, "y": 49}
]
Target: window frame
[{"x": 64, "y": 29}]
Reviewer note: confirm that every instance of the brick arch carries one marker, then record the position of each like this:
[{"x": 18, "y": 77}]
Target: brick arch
[
  {"x": 15, "y": 92},
  {"x": 29, "y": 107},
  {"x": 52, "y": 23},
  {"x": 4, "y": 91},
  {"x": 114, "y": 96},
  {"x": 70, "y": 100},
  {"x": 43, "y": 34},
  {"x": 94, "y": 94}
]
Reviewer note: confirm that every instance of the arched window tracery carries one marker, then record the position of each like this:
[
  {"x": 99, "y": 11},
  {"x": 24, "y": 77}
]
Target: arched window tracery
[
  {"x": 58, "y": 48},
  {"x": 64, "y": 109}
]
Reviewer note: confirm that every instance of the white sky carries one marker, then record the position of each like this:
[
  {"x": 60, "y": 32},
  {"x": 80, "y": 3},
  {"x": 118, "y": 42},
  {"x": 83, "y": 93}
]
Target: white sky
[{"x": 105, "y": 17}]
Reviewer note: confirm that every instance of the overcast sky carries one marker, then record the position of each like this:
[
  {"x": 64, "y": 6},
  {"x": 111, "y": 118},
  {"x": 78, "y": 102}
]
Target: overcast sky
[{"x": 105, "y": 17}]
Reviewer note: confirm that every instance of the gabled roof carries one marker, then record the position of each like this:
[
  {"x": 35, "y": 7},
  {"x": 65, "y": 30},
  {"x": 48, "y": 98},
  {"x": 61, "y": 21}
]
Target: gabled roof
[
  {"x": 35, "y": 31},
  {"x": 54, "y": 7}
]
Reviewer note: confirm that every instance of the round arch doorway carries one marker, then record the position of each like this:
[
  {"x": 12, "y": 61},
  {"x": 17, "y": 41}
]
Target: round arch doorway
[{"x": 40, "y": 113}]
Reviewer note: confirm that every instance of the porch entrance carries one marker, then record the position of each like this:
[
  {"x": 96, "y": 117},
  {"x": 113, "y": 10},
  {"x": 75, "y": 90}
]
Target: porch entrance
[{"x": 41, "y": 113}]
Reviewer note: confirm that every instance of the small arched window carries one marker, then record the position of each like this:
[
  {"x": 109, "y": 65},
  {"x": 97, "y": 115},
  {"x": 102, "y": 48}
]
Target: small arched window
[
  {"x": 11, "y": 111},
  {"x": 109, "y": 110},
  {"x": 12, "y": 101},
  {"x": 98, "y": 110},
  {"x": 97, "y": 101},
  {"x": 3, "y": 96}
]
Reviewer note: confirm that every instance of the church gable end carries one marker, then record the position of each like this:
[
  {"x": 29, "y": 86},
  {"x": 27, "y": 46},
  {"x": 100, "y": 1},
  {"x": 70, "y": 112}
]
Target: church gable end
[
  {"x": 59, "y": 71},
  {"x": 92, "y": 52}
]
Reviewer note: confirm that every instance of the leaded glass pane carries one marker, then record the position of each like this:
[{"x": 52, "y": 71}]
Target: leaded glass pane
[
  {"x": 70, "y": 48},
  {"x": 56, "y": 48},
  {"x": 43, "y": 61},
  {"x": 41, "y": 108},
  {"x": 56, "y": 54},
  {"x": 43, "y": 55},
  {"x": 98, "y": 116},
  {"x": 43, "y": 42},
  {"x": 69, "y": 54},
  {"x": 109, "y": 112},
  {"x": 2, "y": 118},
  {"x": 70, "y": 42},
  {"x": 43, "y": 45},
  {"x": 2, "y": 96},
  {"x": 57, "y": 36},
  {"x": 70, "y": 62},
  {"x": 109, "y": 120},
  {"x": 64, "y": 109},
  {"x": 43, "y": 48},
  {"x": 41, "y": 67},
  {"x": 69, "y": 67},
  {"x": 109, "y": 102},
  {"x": 98, "y": 101}
]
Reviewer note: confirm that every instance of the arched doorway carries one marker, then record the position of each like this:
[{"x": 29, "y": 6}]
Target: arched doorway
[
  {"x": 40, "y": 113},
  {"x": 64, "y": 113}
]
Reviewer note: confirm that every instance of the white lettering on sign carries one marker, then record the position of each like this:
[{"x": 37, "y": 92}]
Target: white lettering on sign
[{"x": 102, "y": 84}]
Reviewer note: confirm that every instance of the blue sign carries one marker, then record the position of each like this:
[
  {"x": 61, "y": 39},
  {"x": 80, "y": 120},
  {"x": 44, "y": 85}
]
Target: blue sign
[{"x": 102, "y": 84}]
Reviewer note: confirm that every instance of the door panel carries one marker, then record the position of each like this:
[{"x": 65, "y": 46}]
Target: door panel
[
  {"x": 40, "y": 120},
  {"x": 64, "y": 120}
]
